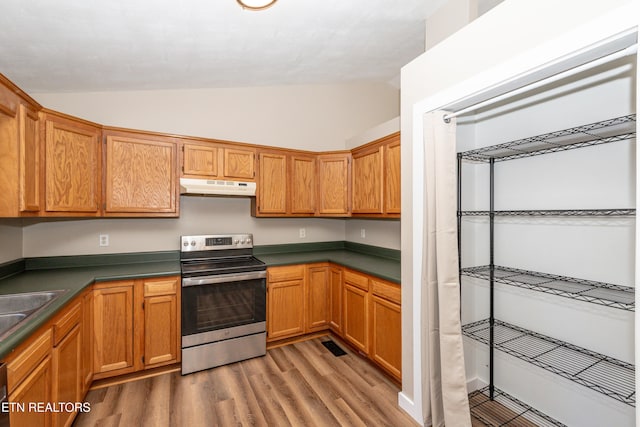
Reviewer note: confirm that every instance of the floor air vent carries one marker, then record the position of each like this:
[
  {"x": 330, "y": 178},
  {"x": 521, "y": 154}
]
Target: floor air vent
[{"x": 334, "y": 348}]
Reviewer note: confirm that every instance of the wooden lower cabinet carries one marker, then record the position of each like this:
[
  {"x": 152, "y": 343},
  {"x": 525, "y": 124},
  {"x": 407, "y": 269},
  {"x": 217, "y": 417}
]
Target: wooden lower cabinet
[
  {"x": 363, "y": 310},
  {"x": 317, "y": 291},
  {"x": 113, "y": 329},
  {"x": 285, "y": 302},
  {"x": 136, "y": 325},
  {"x": 386, "y": 327},
  {"x": 67, "y": 366},
  {"x": 335, "y": 299},
  {"x": 67, "y": 374},
  {"x": 35, "y": 389},
  {"x": 29, "y": 381},
  {"x": 161, "y": 322},
  {"x": 86, "y": 357},
  {"x": 356, "y": 311}
]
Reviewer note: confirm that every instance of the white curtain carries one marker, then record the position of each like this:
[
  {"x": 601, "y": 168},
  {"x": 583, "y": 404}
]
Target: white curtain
[{"x": 444, "y": 389}]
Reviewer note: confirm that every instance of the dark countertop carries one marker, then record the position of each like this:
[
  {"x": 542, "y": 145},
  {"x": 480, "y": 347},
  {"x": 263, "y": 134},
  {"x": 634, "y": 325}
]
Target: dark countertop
[
  {"x": 385, "y": 268},
  {"x": 75, "y": 273},
  {"x": 75, "y": 279}
]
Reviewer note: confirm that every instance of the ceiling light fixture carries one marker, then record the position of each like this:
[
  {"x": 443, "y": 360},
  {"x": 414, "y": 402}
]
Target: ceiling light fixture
[{"x": 256, "y": 4}]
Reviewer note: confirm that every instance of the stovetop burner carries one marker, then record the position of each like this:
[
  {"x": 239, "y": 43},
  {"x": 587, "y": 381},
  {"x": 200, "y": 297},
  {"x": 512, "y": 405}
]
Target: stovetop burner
[
  {"x": 208, "y": 255},
  {"x": 213, "y": 266}
]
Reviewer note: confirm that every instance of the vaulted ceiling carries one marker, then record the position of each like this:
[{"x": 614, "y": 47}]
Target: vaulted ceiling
[{"x": 93, "y": 45}]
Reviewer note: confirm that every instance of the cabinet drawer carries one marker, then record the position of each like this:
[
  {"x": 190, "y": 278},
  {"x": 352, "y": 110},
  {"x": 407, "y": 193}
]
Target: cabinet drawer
[
  {"x": 160, "y": 287},
  {"x": 28, "y": 360},
  {"x": 388, "y": 291},
  {"x": 281, "y": 274},
  {"x": 356, "y": 279},
  {"x": 63, "y": 325}
]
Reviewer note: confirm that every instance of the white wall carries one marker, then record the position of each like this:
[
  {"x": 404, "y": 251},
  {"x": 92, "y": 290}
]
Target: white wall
[
  {"x": 512, "y": 38},
  {"x": 310, "y": 117},
  {"x": 10, "y": 240},
  {"x": 317, "y": 118},
  {"x": 601, "y": 249},
  {"x": 199, "y": 215}
]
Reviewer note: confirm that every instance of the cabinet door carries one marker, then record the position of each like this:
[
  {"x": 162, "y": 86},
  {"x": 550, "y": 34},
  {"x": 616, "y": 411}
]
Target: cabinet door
[
  {"x": 36, "y": 388},
  {"x": 272, "y": 183},
  {"x": 285, "y": 302},
  {"x": 317, "y": 298},
  {"x": 200, "y": 160},
  {"x": 67, "y": 374},
  {"x": 392, "y": 176},
  {"x": 161, "y": 325},
  {"x": 29, "y": 160},
  {"x": 335, "y": 300},
  {"x": 72, "y": 166},
  {"x": 113, "y": 330},
  {"x": 239, "y": 163},
  {"x": 356, "y": 317},
  {"x": 386, "y": 343},
  {"x": 9, "y": 153},
  {"x": 87, "y": 342},
  {"x": 140, "y": 176},
  {"x": 366, "y": 175},
  {"x": 302, "y": 184},
  {"x": 333, "y": 184}
]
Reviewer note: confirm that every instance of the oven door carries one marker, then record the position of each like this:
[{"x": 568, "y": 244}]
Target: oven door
[{"x": 212, "y": 306}]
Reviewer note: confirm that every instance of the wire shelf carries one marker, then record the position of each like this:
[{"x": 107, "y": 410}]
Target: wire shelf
[
  {"x": 595, "y": 371},
  {"x": 607, "y": 131},
  {"x": 607, "y": 294},
  {"x": 554, "y": 212},
  {"x": 506, "y": 410}
]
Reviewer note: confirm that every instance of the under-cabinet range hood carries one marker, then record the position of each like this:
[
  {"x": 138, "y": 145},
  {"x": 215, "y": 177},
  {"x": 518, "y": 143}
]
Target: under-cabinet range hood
[{"x": 213, "y": 187}]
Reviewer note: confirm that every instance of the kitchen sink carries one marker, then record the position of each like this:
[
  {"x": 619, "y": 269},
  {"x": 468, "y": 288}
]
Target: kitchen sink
[
  {"x": 18, "y": 308},
  {"x": 9, "y": 320}
]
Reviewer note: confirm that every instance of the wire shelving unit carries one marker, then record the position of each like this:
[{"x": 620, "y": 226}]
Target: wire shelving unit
[{"x": 595, "y": 371}]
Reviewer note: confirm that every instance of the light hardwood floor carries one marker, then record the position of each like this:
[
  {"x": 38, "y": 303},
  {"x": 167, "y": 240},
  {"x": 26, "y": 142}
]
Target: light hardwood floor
[{"x": 301, "y": 384}]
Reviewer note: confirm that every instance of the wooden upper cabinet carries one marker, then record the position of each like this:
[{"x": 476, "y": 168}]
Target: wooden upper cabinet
[
  {"x": 141, "y": 177},
  {"x": 9, "y": 153},
  {"x": 302, "y": 184},
  {"x": 376, "y": 178},
  {"x": 72, "y": 166},
  {"x": 200, "y": 160},
  {"x": 392, "y": 185},
  {"x": 239, "y": 163},
  {"x": 366, "y": 173},
  {"x": 20, "y": 162},
  {"x": 28, "y": 135},
  {"x": 334, "y": 184},
  {"x": 272, "y": 183}
]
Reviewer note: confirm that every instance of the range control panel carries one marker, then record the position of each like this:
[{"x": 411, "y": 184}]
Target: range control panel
[{"x": 213, "y": 242}]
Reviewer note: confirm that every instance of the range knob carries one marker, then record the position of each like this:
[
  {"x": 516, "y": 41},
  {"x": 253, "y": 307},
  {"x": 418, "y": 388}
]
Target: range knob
[
  {"x": 185, "y": 244},
  {"x": 242, "y": 241},
  {"x": 193, "y": 243},
  {"x": 235, "y": 242},
  {"x": 248, "y": 241}
]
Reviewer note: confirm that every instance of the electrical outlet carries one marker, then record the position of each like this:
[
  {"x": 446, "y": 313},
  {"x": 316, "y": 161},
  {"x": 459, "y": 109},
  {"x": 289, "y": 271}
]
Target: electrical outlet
[
  {"x": 104, "y": 240},
  {"x": 303, "y": 233},
  {"x": 363, "y": 234}
]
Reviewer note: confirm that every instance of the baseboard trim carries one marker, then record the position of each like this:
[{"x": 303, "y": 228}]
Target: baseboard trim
[
  {"x": 408, "y": 406},
  {"x": 134, "y": 376},
  {"x": 475, "y": 384}
]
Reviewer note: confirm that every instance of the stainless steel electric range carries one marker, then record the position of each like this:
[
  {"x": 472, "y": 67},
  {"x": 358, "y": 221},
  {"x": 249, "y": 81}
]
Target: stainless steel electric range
[{"x": 223, "y": 301}]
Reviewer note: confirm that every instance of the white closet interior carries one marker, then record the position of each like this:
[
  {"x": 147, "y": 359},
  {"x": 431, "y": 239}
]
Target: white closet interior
[{"x": 598, "y": 248}]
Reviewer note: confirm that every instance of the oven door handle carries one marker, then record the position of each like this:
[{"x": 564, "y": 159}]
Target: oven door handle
[{"x": 223, "y": 278}]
